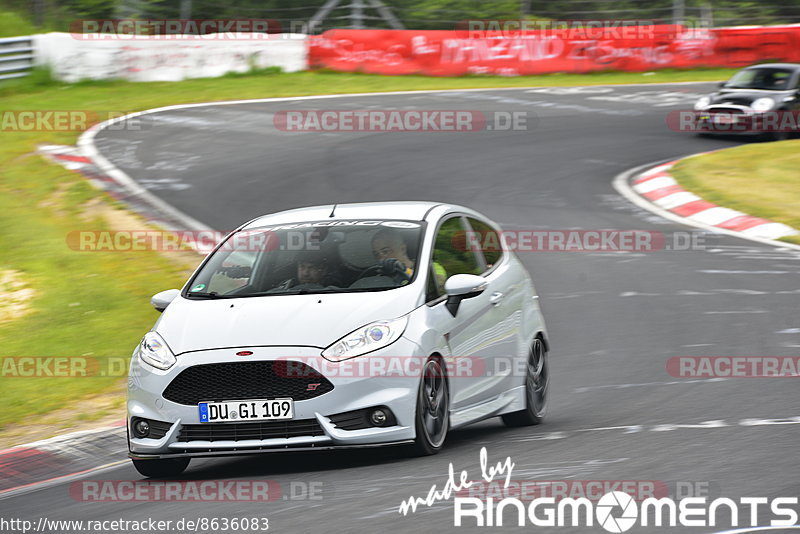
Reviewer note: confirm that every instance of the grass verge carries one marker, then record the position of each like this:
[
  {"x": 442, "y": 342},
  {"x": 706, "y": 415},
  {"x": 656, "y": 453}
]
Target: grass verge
[
  {"x": 760, "y": 179},
  {"x": 95, "y": 304}
]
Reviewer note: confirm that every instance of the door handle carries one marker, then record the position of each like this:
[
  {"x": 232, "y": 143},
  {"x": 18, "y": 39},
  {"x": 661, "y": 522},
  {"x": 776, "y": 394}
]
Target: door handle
[{"x": 496, "y": 298}]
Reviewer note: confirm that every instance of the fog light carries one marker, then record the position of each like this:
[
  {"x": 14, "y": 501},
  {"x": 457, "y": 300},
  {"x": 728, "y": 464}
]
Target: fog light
[
  {"x": 378, "y": 417},
  {"x": 141, "y": 428}
]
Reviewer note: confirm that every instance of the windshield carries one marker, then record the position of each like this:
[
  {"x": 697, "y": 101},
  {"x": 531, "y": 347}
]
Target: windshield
[
  {"x": 311, "y": 257},
  {"x": 766, "y": 78}
]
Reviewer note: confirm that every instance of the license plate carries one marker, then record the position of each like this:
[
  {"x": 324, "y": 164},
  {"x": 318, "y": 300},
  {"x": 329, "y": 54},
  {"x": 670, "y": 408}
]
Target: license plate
[
  {"x": 724, "y": 119},
  {"x": 246, "y": 410}
]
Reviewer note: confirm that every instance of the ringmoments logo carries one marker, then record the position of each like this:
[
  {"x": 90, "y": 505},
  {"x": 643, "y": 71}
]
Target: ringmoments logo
[
  {"x": 606, "y": 506},
  {"x": 615, "y": 511}
]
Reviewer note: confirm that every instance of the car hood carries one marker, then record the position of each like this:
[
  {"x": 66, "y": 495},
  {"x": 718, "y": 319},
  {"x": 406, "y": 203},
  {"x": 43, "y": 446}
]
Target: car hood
[
  {"x": 310, "y": 320},
  {"x": 741, "y": 97}
]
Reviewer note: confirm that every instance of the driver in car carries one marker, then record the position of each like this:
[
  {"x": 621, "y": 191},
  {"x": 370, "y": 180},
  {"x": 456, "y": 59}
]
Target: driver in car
[
  {"x": 312, "y": 268},
  {"x": 388, "y": 244},
  {"x": 389, "y": 248}
]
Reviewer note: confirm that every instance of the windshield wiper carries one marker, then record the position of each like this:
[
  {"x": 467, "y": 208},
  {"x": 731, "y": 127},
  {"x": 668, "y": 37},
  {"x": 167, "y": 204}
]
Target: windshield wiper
[
  {"x": 303, "y": 291},
  {"x": 210, "y": 295},
  {"x": 316, "y": 291}
]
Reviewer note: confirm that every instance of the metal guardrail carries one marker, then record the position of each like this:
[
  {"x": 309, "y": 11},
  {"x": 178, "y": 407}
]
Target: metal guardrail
[{"x": 16, "y": 57}]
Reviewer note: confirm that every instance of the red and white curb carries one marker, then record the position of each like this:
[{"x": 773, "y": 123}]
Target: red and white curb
[
  {"x": 654, "y": 189},
  {"x": 66, "y": 457},
  {"x": 201, "y": 238},
  {"x": 660, "y": 188}
]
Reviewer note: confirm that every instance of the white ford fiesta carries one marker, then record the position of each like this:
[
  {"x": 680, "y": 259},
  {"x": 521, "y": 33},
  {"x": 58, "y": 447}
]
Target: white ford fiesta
[{"x": 339, "y": 326}]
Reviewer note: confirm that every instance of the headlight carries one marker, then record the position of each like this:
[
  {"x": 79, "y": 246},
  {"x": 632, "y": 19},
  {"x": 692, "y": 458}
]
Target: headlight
[
  {"x": 374, "y": 336},
  {"x": 154, "y": 351},
  {"x": 702, "y": 103},
  {"x": 762, "y": 104}
]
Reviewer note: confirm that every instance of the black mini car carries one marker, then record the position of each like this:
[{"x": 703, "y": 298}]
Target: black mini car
[{"x": 757, "y": 99}]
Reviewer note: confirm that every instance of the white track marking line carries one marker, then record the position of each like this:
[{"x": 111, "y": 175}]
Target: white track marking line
[
  {"x": 86, "y": 142},
  {"x": 661, "y": 427},
  {"x": 648, "y": 384},
  {"x": 724, "y": 271},
  {"x": 733, "y": 312}
]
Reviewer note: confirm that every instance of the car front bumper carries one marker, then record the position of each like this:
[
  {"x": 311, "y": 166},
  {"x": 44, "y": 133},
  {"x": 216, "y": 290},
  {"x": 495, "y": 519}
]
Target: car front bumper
[
  {"x": 732, "y": 120},
  {"x": 356, "y": 386}
]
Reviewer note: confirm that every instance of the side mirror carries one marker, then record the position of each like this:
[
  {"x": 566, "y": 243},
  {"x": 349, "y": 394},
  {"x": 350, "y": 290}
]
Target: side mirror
[
  {"x": 721, "y": 84},
  {"x": 462, "y": 286},
  {"x": 160, "y": 301}
]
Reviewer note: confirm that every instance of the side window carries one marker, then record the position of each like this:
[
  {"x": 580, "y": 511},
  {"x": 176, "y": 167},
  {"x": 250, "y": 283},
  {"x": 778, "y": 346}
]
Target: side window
[
  {"x": 488, "y": 241},
  {"x": 780, "y": 80},
  {"x": 451, "y": 255},
  {"x": 435, "y": 287}
]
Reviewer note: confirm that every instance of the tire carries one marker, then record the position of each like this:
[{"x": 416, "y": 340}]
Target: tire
[
  {"x": 770, "y": 137},
  {"x": 537, "y": 382},
  {"x": 163, "y": 468},
  {"x": 432, "y": 419}
]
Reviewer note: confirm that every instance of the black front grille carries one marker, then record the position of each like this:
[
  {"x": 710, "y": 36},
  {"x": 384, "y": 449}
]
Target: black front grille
[
  {"x": 247, "y": 380},
  {"x": 245, "y": 431},
  {"x": 158, "y": 429},
  {"x": 355, "y": 420},
  {"x": 729, "y": 111},
  {"x": 358, "y": 419}
]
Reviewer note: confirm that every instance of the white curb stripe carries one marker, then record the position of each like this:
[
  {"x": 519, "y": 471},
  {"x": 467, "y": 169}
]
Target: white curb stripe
[
  {"x": 770, "y": 231},
  {"x": 655, "y": 183},
  {"x": 656, "y": 170},
  {"x": 676, "y": 199},
  {"x": 715, "y": 216}
]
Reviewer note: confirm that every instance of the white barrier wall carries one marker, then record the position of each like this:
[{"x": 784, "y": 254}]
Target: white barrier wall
[{"x": 146, "y": 59}]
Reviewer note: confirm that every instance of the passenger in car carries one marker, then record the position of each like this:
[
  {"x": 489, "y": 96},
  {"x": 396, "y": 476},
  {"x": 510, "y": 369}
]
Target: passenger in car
[{"x": 312, "y": 268}]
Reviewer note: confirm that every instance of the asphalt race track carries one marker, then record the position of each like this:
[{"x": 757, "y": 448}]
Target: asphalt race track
[{"x": 614, "y": 318}]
